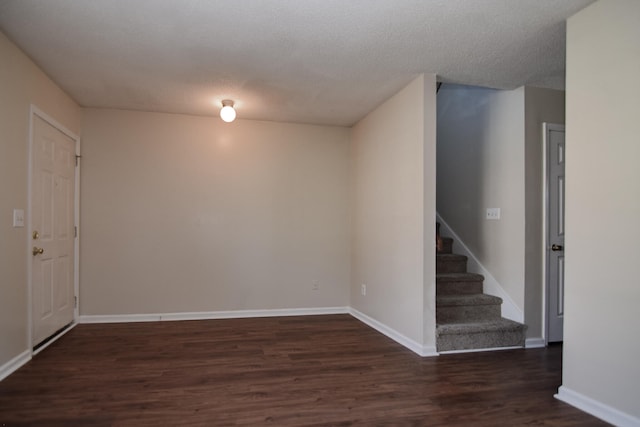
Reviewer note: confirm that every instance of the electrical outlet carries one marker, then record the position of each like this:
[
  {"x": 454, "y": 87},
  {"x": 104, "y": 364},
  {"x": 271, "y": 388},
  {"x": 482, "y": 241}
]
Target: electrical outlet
[
  {"x": 493, "y": 213},
  {"x": 315, "y": 285},
  {"x": 363, "y": 289}
]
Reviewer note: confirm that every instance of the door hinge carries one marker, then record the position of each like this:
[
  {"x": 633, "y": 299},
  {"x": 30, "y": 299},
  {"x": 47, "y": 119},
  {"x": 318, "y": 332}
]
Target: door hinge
[
  {"x": 75, "y": 302},
  {"x": 75, "y": 231},
  {"x": 78, "y": 157}
]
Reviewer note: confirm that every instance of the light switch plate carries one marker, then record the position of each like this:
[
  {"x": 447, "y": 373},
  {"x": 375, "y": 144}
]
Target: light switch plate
[
  {"x": 18, "y": 217},
  {"x": 493, "y": 213}
]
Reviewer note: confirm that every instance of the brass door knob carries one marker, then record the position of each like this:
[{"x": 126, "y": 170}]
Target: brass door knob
[
  {"x": 37, "y": 251},
  {"x": 556, "y": 248}
]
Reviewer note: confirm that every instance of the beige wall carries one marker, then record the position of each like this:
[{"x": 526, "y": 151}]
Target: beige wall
[
  {"x": 189, "y": 214},
  {"x": 21, "y": 84},
  {"x": 430, "y": 115},
  {"x": 393, "y": 179},
  {"x": 541, "y": 105},
  {"x": 601, "y": 346},
  {"x": 481, "y": 165}
]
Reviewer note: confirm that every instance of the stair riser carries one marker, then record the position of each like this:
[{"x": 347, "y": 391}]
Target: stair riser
[
  {"x": 480, "y": 340},
  {"x": 458, "y": 288},
  {"x": 444, "y": 266},
  {"x": 447, "y": 245},
  {"x": 468, "y": 313}
]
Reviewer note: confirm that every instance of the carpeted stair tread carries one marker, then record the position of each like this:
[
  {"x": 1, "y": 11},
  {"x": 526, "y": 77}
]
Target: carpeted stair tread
[
  {"x": 498, "y": 325},
  {"x": 480, "y": 336},
  {"x": 467, "y": 308},
  {"x": 451, "y": 257},
  {"x": 459, "y": 283},
  {"x": 458, "y": 277},
  {"x": 465, "y": 300}
]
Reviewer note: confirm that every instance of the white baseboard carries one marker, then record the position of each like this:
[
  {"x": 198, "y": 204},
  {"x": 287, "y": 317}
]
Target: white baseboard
[
  {"x": 412, "y": 345},
  {"x": 480, "y": 350},
  {"x": 209, "y": 315},
  {"x": 14, "y": 364},
  {"x": 119, "y": 318},
  {"x": 510, "y": 310},
  {"x": 597, "y": 409},
  {"x": 537, "y": 342}
]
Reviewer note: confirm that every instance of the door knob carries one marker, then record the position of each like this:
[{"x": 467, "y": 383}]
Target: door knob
[
  {"x": 37, "y": 251},
  {"x": 556, "y": 248}
]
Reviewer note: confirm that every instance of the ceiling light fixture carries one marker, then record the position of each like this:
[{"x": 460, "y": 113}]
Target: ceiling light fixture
[{"x": 227, "y": 113}]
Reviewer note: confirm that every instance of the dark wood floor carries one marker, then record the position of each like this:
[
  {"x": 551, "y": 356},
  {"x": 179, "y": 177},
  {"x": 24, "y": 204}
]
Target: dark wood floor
[{"x": 288, "y": 371}]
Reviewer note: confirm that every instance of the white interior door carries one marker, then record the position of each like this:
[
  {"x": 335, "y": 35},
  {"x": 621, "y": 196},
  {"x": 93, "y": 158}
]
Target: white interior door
[
  {"x": 556, "y": 156},
  {"x": 52, "y": 229}
]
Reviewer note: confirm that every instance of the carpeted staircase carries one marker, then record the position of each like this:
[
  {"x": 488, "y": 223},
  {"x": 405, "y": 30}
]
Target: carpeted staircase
[{"x": 466, "y": 318}]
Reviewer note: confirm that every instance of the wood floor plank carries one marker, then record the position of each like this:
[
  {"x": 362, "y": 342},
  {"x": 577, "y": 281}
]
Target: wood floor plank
[{"x": 290, "y": 371}]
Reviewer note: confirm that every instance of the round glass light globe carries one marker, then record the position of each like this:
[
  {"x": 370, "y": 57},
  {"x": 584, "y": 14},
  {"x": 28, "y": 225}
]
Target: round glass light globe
[{"x": 228, "y": 114}]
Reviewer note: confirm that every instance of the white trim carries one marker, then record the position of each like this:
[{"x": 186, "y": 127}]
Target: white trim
[
  {"x": 76, "y": 242},
  {"x": 209, "y": 315},
  {"x": 35, "y": 111},
  {"x": 55, "y": 338},
  {"x": 539, "y": 342},
  {"x": 14, "y": 364},
  {"x": 545, "y": 195},
  {"x": 53, "y": 122},
  {"x": 597, "y": 409},
  {"x": 510, "y": 309},
  {"x": 412, "y": 345},
  {"x": 478, "y": 350},
  {"x": 29, "y": 234}
]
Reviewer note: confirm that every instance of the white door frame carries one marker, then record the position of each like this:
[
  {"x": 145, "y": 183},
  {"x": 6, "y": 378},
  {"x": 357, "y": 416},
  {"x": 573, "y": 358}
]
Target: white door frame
[
  {"x": 35, "y": 111},
  {"x": 546, "y": 128}
]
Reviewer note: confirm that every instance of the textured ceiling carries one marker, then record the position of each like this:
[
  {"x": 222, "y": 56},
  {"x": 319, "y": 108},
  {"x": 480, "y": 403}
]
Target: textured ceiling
[{"x": 305, "y": 61}]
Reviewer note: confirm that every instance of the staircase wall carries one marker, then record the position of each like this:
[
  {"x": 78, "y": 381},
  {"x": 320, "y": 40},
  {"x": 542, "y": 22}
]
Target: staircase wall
[
  {"x": 393, "y": 215},
  {"x": 510, "y": 309},
  {"x": 481, "y": 161}
]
